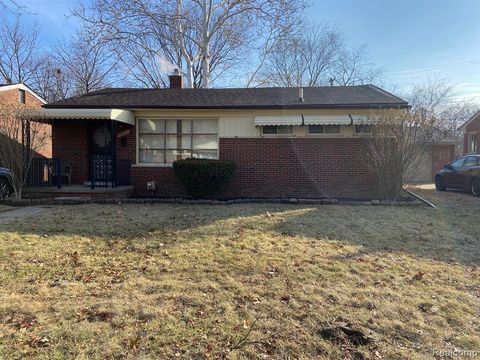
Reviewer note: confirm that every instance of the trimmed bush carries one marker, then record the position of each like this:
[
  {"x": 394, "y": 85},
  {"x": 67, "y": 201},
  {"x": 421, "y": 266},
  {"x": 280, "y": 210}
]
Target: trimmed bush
[{"x": 202, "y": 178}]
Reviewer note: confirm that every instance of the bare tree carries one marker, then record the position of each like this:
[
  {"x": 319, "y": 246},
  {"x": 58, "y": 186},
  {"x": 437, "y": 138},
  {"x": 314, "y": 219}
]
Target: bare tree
[
  {"x": 50, "y": 81},
  {"x": 198, "y": 36},
  {"x": 436, "y": 96},
  {"x": 303, "y": 60},
  {"x": 18, "y": 50},
  {"x": 20, "y": 139},
  {"x": 14, "y": 6},
  {"x": 433, "y": 95},
  {"x": 402, "y": 137},
  {"x": 353, "y": 67},
  {"x": 399, "y": 140},
  {"x": 315, "y": 57},
  {"x": 86, "y": 61}
]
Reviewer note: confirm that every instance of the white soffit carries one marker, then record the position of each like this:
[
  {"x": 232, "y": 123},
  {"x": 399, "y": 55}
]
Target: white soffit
[
  {"x": 278, "y": 120},
  {"x": 124, "y": 116}
]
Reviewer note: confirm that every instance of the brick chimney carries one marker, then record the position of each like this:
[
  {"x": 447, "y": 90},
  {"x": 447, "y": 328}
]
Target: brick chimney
[{"x": 176, "y": 80}]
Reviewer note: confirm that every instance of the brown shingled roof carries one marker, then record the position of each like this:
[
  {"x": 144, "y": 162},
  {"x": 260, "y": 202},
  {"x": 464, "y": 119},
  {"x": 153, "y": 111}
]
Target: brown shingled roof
[{"x": 363, "y": 96}]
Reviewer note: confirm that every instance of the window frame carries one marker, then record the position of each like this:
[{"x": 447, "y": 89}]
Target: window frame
[
  {"x": 22, "y": 96},
  {"x": 472, "y": 142},
  {"x": 357, "y": 133},
  {"x": 165, "y": 134},
  {"x": 276, "y": 127},
  {"x": 324, "y": 133}
]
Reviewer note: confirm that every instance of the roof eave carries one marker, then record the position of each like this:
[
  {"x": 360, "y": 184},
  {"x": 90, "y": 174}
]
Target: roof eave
[
  {"x": 469, "y": 121},
  {"x": 241, "y": 107}
]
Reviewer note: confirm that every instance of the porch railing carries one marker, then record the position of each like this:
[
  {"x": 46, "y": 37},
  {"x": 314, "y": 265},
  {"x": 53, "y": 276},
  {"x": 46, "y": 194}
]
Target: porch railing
[
  {"x": 106, "y": 172},
  {"x": 45, "y": 172}
]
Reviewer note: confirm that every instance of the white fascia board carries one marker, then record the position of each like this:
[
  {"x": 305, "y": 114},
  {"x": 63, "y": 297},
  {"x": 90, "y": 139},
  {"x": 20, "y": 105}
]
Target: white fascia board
[{"x": 278, "y": 120}]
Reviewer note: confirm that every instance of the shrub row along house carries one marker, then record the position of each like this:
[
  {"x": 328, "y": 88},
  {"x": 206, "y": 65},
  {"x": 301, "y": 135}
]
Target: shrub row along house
[{"x": 286, "y": 142}]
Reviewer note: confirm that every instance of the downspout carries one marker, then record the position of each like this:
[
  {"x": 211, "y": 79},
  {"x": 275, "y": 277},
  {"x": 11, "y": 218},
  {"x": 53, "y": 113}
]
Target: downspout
[{"x": 351, "y": 119}]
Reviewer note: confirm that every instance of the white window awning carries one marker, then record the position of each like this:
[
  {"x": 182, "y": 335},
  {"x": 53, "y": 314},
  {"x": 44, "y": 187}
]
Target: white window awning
[
  {"x": 335, "y": 119},
  {"x": 346, "y": 119},
  {"x": 124, "y": 116},
  {"x": 278, "y": 120}
]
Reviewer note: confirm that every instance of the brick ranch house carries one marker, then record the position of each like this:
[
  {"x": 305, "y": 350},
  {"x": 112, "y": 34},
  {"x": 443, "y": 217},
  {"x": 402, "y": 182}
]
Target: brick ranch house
[
  {"x": 471, "y": 134},
  {"x": 286, "y": 142},
  {"x": 15, "y": 94}
]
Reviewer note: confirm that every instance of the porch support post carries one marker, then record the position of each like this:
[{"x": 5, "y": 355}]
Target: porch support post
[
  {"x": 114, "y": 152},
  {"x": 105, "y": 153}
]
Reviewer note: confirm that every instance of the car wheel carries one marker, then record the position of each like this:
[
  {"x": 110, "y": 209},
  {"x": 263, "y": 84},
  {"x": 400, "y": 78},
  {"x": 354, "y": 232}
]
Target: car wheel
[
  {"x": 476, "y": 187},
  {"x": 5, "y": 189},
  {"x": 438, "y": 184}
]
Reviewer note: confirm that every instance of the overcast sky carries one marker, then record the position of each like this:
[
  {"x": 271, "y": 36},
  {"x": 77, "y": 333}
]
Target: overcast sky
[{"x": 409, "y": 39}]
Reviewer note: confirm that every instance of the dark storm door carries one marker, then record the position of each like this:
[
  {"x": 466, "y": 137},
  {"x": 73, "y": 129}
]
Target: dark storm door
[{"x": 101, "y": 157}]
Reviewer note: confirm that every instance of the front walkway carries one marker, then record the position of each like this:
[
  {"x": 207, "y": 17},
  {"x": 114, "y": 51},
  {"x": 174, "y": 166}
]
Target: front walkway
[{"x": 21, "y": 212}]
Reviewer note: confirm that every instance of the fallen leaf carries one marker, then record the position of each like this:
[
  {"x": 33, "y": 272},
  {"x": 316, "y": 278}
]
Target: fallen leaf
[{"x": 419, "y": 276}]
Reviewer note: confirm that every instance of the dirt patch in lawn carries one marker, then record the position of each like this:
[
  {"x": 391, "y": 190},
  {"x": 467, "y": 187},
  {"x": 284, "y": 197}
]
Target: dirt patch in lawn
[
  {"x": 5, "y": 208},
  {"x": 240, "y": 281}
]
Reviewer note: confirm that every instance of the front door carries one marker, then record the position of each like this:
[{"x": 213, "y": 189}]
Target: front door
[{"x": 100, "y": 152}]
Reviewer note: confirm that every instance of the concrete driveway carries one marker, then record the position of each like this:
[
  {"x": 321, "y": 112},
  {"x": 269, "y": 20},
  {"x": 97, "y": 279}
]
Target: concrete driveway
[{"x": 455, "y": 198}]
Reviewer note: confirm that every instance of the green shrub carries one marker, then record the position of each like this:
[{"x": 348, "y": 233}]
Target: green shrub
[{"x": 204, "y": 179}]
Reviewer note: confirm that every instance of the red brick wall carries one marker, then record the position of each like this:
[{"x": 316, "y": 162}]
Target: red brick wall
[
  {"x": 442, "y": 155},
  {"x": 299, "y": 167},
  {"x": 70, "y": 143},
  {"x": 281, "y": 167},
  {"x": 12, "y": 97}
]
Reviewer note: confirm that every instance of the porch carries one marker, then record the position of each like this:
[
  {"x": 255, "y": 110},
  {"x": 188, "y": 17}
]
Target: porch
[
  {"x": 90, "y": 157},
  {"x": 51, "y": 178}
]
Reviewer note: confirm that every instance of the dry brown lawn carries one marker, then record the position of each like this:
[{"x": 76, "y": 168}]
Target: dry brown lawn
[{"x": 241, "y": 281}]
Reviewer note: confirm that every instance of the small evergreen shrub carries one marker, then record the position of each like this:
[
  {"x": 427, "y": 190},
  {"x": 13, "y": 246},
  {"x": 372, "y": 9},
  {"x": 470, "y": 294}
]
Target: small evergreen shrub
[{"x": 202, "y": 178}]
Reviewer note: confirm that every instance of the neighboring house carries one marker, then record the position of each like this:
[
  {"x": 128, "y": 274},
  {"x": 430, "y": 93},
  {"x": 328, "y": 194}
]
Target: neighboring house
[
  {"x": 435, "y": 157},
  {"x": 471, "y": 135},
  {"x": 15, "y": 94},
  {"x": 286, "y": 142}
]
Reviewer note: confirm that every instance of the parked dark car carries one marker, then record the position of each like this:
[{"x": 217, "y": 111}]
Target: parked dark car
[
  {"x": 5, "y": 187},
  {"x": 463, "y": 173}
]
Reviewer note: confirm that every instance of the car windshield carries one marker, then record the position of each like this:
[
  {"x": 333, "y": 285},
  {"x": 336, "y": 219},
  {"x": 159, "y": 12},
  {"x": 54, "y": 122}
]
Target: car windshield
[{"x": 458, "y": 163}]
